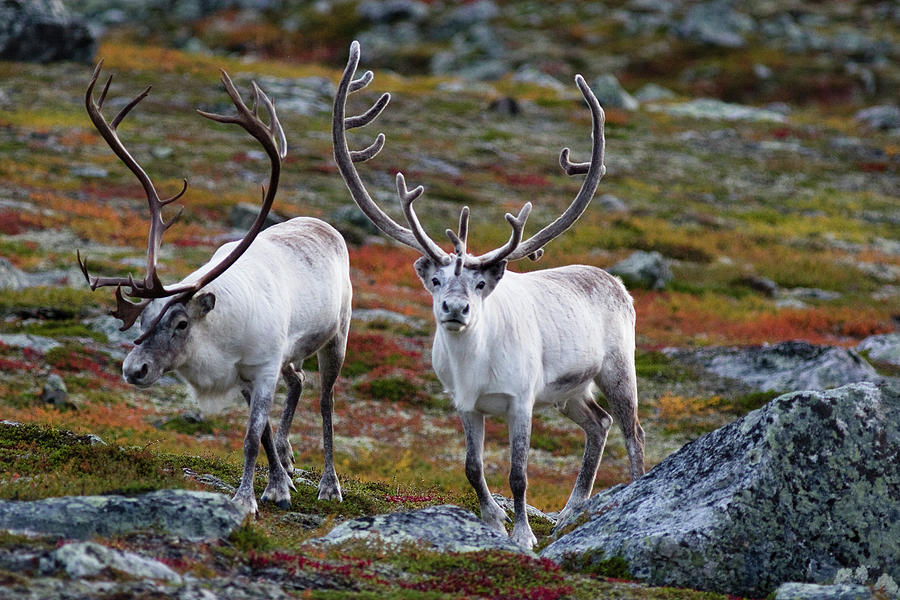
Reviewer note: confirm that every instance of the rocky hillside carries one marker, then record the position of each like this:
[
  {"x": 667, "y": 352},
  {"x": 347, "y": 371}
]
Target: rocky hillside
[{"x": 750, "y": 203}]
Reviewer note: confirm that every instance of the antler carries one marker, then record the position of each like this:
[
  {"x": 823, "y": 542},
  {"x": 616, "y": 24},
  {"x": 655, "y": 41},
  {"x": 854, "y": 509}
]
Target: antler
[
  {"x": 272, "y": 138},
  {"x": 415, "y": 236}
]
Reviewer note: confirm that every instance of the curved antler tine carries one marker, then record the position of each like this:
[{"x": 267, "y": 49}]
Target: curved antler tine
[
  {"x": 84, "y": 270},
  {"x": 460, "y": 240},
  {"x": 127, "y": 108},
  {"x": 126, "y": 311},
  {"x": 406, "y": 199},
  {"x": 370, "y": 115},
  {"x": 274, "y": 127},
  {"x": 256, "y": 94},
  {"x": 369, "y": 152},
  {"x": 593, "y": 170},
  {"x": 170, "y": 222},
  {"x": 572, "y": 168},
  {"x": 358, "y": 84},
  {"x": 167, "y": 201},
  {"x": 518, "y": 226}
]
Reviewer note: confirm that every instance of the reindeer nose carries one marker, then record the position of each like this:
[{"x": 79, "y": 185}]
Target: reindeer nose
[
  {"x": 133, "y": 375},
  {"x": 457, "y": 307}
]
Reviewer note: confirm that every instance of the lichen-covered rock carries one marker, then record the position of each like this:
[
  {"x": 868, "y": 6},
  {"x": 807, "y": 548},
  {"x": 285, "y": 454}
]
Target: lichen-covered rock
[
  {"x": 87, "y": 559},
  {"x": 447, "y": 528},
  {"x": 183, "y": 513},
  {"x": 785, "y": 366},
  {"x": 43, "y": 31},
  {"x": 643, "y": 269},
  {"x": 812, "y": 591},
  {"x": 794, "y": 491},
  {"x": 884, "y": 347}
]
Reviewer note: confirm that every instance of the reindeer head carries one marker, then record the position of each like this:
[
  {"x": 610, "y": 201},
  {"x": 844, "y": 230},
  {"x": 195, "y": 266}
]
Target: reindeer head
[
  {"x": 167, "y": 314},
  {"x": 459, "y": 282}
]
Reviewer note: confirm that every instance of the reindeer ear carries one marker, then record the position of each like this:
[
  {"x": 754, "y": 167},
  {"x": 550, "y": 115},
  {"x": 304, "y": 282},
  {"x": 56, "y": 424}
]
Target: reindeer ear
[
  {"x": 205, "y": 303},
  {"x": 495, "y": 272},
  {"x": 425, "y": 268}
]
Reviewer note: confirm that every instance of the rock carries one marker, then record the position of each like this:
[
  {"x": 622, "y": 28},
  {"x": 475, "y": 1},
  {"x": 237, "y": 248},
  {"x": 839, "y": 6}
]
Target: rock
[
  {"x": 643, "y": 269},
  {"x": 784, "y": 366},
  {"x": 883, "y": 348},
  {"x": 529, "y": 74},
  {"x": 812, "y": 591},
  {"x": 716, "y": 23},
  {"x": 610, "y": 203},
  {"x": 28, "y": 341},
  {"x": 611, "y": 94},
  {"x": 367, "y": 315},
  {"x": 880, "y": 117},
  {"x": 805, "y": 486},
  {"x": 188, "y": 514},
  {"x": 352, "y": 223},
  {"x": 447, "y": 528},
  {"x": 43, "y": 31},
  {"x": 708, "y": 108},
  {"x": 243, "y": 214},
  {"x": 54, "y": 391},
  {"x": 390, "y": 11},
  {"x": 88, "y": 559},
  {"x": 11, "y": 277},
  {"x": 506, "y": 105},
  {"x": 653, "y": 92},
  {"x": 763, "y": 285}
]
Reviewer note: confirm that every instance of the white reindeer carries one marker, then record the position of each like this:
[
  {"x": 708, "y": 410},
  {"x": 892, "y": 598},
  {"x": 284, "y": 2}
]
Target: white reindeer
[
  {"x": 257, "y": 309},
  {"x": 507, "y": 342}
]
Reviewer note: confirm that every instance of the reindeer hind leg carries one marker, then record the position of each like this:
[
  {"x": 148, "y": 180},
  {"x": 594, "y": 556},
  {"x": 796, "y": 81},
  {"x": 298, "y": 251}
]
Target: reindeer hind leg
[
  {"x": 331, "y": 358},
  {"x": 618, "y": 381}
]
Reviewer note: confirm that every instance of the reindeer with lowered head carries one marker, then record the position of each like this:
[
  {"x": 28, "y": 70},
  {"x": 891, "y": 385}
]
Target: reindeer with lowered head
[
  {"x": 507, "y": 342},
  {"x": 257, "y": 309}
]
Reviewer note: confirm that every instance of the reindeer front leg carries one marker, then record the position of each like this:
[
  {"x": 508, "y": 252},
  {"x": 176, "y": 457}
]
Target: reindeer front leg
[
  {"x": 519, "y": 441},
  {"x": 491, "y": 513}
]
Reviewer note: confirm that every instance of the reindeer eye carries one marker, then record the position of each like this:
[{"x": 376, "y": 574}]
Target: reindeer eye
[
  {"x": 435, "y": 281},
  {"x": 181, "y": 325},
  {"x": 480, "y": 285}
]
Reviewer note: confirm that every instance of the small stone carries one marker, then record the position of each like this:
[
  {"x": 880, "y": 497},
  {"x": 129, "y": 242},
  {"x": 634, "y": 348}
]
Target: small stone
[
  {"x": 611, "y": 94},
  {"x": 55, "y": 391},
  {"x": 643, "y": 269}
]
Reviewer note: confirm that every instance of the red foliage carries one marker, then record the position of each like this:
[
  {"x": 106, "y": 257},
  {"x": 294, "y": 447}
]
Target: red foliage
[
  {"x": 13, "y": 222},
  {"x": 872, "y": 167},
  {"x": 83, "y": 360}
]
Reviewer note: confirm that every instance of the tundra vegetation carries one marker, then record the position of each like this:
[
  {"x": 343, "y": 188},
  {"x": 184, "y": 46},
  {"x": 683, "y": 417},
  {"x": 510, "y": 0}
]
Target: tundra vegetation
[{"x": 753, "y": 216}]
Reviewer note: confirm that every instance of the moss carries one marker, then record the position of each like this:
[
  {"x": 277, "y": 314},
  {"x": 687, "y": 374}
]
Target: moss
[
  {"x": 67, "y": 328},
  {"x": 54, "y": 302},
  {"x": 658, "y": 366},
  {"x": 594, "y": 562},
  {"x": 250, "y": 538}
]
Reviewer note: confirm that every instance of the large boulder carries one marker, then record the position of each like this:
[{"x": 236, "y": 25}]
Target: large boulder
[
  {"x": 882, "y": 348},
  {"x": 643, "y": 269},
  {"x": 795, "y": 491},
  {"x": 183, "y": 513},
  {"x": 445, "y": 528},
  {"x": 43, "y": 31},
  {"x": 89, "y": 559},
  {"x": 784, "y": 366}
]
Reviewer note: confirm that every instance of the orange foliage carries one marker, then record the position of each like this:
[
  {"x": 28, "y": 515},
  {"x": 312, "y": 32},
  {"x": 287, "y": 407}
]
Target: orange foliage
[{"x": 670, "y": 318}]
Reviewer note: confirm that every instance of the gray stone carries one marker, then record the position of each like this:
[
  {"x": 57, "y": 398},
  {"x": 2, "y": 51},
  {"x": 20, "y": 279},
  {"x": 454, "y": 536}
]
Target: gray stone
[
  {"x": 652, "y": 92},
  {"x": 28, "y": 341},
  {"x": 610, "y": 203},
  {"x": 784, "y": 366},
  {"x": 447, "y": 528},
  {"x": 243, "y": 214},
  {"x": 812, "y": 591},
  {"x": 611, "y": 94},
  {"x": 880, "y": 117},
  {"x": 389, "y": 11},
  {"x": 529, "y": 74},
  {"x": 716, "y": 23},
  {"x": 11, "y": 277},
  {"x": 643, "y": 269},
  {"x": 43, "y": 31},
  {"x": 188, "y": 514},
  {"x": 709, "y": 108},
  {"x": 54, "y": 391},
  {"x": 883, "y": 348},
  {"x": 805, "y": 486},
  {"x": 88, "y": 559}
]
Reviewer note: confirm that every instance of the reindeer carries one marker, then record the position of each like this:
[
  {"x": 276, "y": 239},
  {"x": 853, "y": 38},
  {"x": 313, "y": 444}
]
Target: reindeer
[
  {"x": 508, "y": 342},
  {"x": 258, "y": 308}
]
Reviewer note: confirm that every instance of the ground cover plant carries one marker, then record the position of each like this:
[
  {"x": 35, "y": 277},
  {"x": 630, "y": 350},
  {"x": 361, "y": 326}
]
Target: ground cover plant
[{"x": 803, "y": 204}]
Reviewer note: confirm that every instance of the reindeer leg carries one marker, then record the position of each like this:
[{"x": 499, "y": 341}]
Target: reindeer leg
[
  {"x": 260, "y": 398},
  {"x": 491, "y": 513},
  {"x": 294, "y": 380},
  {"x": 596, "y": 423},
  {"x": 519, "y": 441},
  {"x": 618, "y": 382},
  {"x": 331, "y": 358}
]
